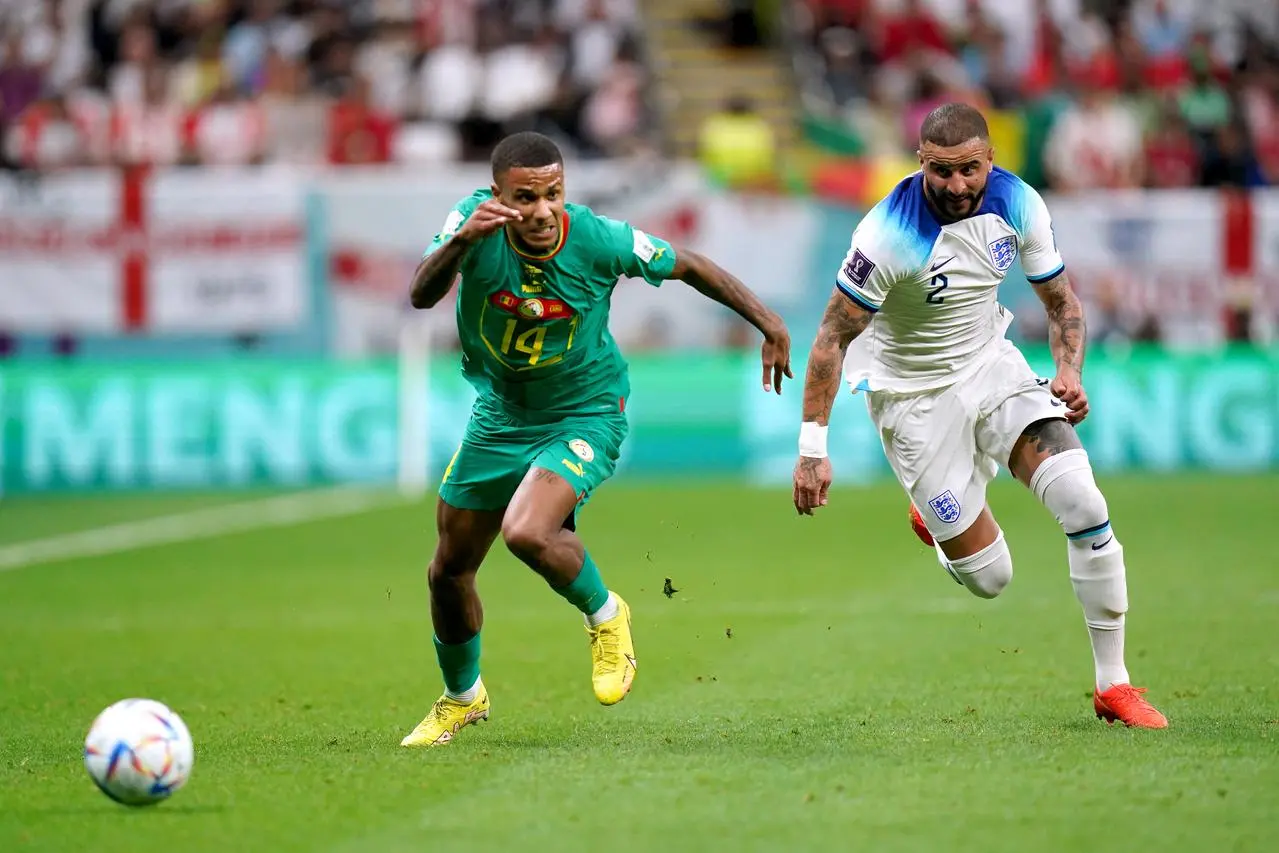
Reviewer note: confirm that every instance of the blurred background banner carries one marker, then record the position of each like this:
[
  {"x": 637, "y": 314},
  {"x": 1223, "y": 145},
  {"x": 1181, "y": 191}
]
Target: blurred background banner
[
  {"x": 281, "y": 423},
  {"x": 210, "y": 212},
  {"x": 326, "y": 255},
  {"x": 157, "y": 252},
  {"x": 373, "y": 228}
]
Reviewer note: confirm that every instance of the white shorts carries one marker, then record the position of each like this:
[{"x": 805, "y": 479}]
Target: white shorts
[{"x": 946, "y": 445}]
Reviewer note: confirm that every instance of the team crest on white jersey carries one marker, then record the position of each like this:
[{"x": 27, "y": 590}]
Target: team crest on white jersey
[
  {"x": 1003, "y": 252},
  {"x": 946, "y": 507}
]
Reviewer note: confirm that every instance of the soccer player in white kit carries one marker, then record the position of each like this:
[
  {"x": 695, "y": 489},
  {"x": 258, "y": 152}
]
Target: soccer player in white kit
[{"x": 915, "y": 324}]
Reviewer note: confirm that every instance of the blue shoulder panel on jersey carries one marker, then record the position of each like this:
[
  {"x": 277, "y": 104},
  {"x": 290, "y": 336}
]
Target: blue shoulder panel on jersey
[
  {"x": 908, "y": 222},
  {"x": 1006, "y": 197}
]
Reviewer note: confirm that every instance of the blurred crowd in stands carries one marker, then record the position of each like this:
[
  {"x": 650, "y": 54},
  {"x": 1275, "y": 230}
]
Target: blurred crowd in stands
[
  {"x": 85, "y": 82},
  {"x": 1082, "y": 93}
]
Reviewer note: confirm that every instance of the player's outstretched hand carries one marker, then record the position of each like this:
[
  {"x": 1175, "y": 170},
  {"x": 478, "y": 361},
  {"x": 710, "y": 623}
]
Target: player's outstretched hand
[
  {"x": 812, "y": 482},
  {"x": 487, "y": 218},
  {"x": 1068, "y": 387},
  {"x": 775, "y": 355}
]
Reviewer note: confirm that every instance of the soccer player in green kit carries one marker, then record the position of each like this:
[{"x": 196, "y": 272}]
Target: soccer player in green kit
[{"x": 537, "y": 274}]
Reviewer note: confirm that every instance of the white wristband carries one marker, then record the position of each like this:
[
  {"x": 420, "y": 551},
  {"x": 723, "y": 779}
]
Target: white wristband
[{"x": 812, "y": 440}]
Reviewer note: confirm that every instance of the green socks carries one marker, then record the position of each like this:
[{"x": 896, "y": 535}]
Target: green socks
[
  {"x": 587, "y": 591},
  {"x": 460, "y": 664}
]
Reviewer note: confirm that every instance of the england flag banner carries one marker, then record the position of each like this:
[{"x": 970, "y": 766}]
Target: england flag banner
[{"x": 152, "y": 252}]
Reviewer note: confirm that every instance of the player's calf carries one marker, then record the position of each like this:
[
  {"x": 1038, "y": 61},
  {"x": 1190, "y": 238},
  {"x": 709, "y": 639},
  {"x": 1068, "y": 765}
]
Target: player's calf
[
  {"x": 1050, "y": 460},
  {"x": 535, "y": 530},
  {"x": 1065, "y": 484},
  {"x": 465, "y": 537},
  {"x": 457, "y": 616}
]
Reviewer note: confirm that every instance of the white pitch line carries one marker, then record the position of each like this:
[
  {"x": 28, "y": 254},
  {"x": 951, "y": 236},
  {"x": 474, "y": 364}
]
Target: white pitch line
[{"x": 196, "y": 524}]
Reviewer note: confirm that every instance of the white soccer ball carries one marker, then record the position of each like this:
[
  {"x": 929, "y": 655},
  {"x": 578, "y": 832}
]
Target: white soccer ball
[{"x": 138, "y": 752}]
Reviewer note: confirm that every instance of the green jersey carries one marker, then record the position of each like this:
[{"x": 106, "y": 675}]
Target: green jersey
[{"x": 534, "y": 329}]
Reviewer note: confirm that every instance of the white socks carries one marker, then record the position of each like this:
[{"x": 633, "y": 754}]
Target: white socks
[
  {"x": 1064, "y": 483},
  {"x": 466, "y": 697},
  {"x": 607, "y": 611},
  {"x": 1097, "y": 573},
  {"x": 986, "y": 573}
]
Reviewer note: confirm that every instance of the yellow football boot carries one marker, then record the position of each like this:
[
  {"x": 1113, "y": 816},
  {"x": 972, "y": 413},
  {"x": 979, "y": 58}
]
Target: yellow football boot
[
  {"x": 613, "y": 656},
  {"x": 447, "y": 718}
]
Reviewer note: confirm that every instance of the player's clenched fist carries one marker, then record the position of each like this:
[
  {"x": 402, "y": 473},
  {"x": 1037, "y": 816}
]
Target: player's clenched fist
[
  {"x": 487, "y": 218},
  {"x": 1069, "y": 388},
  {"x": 812, "y": 482}
]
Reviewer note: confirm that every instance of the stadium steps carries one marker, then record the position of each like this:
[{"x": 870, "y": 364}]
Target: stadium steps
[{"x": 696, "y": 76}]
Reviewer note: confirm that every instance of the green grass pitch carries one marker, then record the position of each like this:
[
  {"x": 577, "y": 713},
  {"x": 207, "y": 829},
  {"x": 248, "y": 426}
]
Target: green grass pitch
[{"x": 863, "y": 700}]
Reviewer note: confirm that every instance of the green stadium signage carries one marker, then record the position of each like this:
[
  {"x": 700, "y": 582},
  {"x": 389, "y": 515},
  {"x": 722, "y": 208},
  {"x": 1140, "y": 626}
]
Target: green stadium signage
[{"x": 268, "y": 423}]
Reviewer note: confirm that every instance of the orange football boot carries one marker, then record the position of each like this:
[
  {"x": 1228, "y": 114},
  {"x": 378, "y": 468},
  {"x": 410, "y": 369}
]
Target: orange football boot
[
  {"x": 921, "y": 530},
  {"x": 1124, "y": 703}
]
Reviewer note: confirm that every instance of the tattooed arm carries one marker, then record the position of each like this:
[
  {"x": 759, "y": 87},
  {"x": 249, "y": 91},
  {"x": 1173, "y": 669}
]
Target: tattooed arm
[
  {"x": 1066, "y": 336},
  {"x": 1066, "y": 328},
  {"x": 713, "y": 281},
  {"x": 843, "y": 321},
  {"x": 436, "y": 273}
]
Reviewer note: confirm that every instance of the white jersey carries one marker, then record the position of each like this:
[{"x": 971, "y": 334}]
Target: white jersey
[{"x": 933, "y": 287}]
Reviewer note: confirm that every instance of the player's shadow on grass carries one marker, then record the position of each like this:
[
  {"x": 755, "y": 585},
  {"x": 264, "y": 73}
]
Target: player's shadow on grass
[
  {"x": 110, "y": 810},
  {"x": 661, "y": 740}
]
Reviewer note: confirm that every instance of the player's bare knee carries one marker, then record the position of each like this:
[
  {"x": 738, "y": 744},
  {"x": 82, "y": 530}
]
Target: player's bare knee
[
  {"x": 988, "y": 572},
  {"x": 450, "y": 568},
  {"x": 437, "y": 574},
  {"x": 458, "y": 555},
  {"x": 1065, "y": 484},
  {"x": 526, "y": 540}
]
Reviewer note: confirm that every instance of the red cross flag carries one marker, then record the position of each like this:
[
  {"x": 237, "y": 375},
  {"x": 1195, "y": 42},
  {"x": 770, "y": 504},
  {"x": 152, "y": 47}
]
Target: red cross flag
[{"x": 154, "y": 252}]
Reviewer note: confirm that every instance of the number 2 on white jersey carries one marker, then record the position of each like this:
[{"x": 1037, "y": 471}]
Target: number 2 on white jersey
[{"x": 938, "y": 284}]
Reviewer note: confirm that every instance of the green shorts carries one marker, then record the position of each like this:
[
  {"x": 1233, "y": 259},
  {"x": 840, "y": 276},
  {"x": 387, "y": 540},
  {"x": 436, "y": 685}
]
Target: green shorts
[{"x": 497, "y": 451}]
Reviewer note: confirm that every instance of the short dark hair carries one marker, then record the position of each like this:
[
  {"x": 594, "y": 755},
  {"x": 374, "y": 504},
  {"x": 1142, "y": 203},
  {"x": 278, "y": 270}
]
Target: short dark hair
[
  {"x": 524, "y": 150},
  {"x": 953, "y": 124}
]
